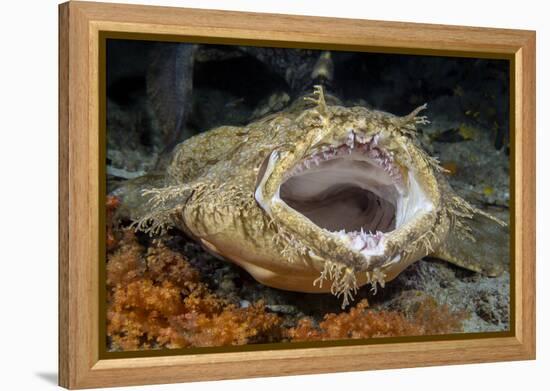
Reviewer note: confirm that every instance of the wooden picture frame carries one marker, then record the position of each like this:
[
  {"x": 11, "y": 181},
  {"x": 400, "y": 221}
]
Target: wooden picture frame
[{"x": 81, "y": 25}]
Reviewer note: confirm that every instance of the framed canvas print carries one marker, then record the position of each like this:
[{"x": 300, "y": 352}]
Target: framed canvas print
[{"x": 296, "y": 194}]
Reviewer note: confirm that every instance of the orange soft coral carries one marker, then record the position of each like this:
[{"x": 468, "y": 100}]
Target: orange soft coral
[
  {"x": 139, "y": 313},
  {"x": 231, "y": 326},
  {"x": 126, "y": 264},
  {"x": 111, "y": 204},
  {"x": 428, "y": 319},
  {"x": 156, "y": 300}
]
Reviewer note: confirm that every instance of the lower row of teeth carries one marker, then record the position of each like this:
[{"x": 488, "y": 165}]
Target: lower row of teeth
[{"x": 361, "y": 240}]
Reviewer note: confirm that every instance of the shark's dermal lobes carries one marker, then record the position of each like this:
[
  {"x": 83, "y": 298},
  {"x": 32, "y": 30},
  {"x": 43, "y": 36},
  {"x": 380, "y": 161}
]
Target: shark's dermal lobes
[{"x": 319, "y": 198}]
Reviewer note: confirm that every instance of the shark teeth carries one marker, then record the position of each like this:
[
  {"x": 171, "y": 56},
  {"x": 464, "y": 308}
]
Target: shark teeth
[
  {"x": 350, "y": 141},
  {"x": 353, "y": 143},
  {"x": 366, "y": 243}
]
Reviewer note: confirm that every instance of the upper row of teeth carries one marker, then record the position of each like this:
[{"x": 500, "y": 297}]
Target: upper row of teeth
[
  {"x": 353, "y": 141},
  {"x": 354, "y": 138}
]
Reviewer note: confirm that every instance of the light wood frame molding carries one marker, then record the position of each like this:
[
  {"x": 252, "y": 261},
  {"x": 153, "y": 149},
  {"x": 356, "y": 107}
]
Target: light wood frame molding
[{"x": 80, "y": 24}]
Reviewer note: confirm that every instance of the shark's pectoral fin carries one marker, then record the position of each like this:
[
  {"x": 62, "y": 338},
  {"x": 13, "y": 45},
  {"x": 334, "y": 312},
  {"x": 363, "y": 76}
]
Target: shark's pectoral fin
[
  {"x": 487, "y": 253},
  {"x": 152, "y": 206},
  {"x": 133, "y": 205}
]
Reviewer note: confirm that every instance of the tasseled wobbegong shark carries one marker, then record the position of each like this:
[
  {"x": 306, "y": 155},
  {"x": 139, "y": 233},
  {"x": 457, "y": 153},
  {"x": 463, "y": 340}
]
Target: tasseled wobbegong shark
[{"x": 318, "y": 198}]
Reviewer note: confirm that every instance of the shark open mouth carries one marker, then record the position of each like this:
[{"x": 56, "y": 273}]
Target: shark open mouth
[{"x": 354, "y": 190}]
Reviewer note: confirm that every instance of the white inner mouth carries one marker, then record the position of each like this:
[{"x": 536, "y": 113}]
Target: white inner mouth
[{"x": 350, "y": 193}]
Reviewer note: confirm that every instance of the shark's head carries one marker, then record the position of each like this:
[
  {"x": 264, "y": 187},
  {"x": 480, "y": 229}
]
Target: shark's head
[{"x": 357, "y": 193}]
